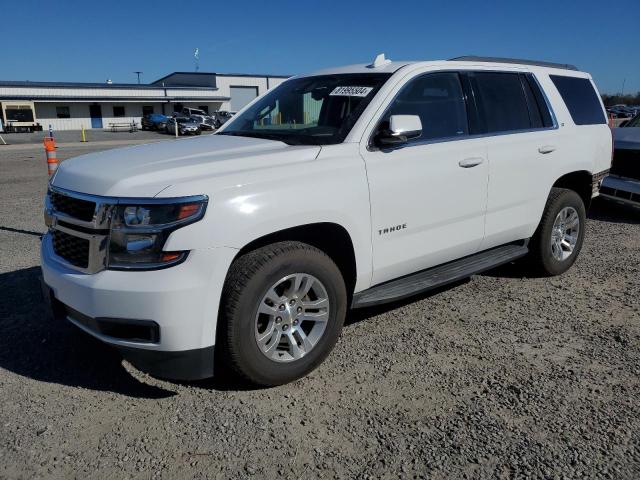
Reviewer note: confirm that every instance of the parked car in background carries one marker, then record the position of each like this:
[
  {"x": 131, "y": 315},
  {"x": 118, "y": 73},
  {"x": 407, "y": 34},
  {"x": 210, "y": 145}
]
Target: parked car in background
[
  {"x": 154, "y": 121},
  {"x": 623, "y": 182},
  {"x": 188, "y": 112},
  {"x": 222, "y": 117},
  {"x": 185, "y": 125},
  {"x": 207, "y": 122},
  {"x": 621, "y": 111}
]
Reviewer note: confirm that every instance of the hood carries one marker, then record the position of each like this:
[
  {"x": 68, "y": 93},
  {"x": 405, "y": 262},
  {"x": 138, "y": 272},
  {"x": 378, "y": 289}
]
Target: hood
[
  {"x": 146, "y": 170},
  {"x": 627, "y": 138}
]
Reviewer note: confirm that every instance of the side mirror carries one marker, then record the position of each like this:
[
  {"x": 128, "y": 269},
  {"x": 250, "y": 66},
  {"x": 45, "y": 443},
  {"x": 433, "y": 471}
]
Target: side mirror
[{"x": 402, "y": 128}]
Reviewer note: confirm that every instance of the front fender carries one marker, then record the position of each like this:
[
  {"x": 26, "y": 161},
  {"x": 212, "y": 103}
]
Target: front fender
[{"x": 332, "y": 188}]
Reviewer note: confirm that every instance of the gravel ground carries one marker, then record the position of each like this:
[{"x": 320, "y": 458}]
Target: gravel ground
[{"x": 497, "y": 377}]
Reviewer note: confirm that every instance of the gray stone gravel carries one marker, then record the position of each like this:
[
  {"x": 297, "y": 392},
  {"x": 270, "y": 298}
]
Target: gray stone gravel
[{"x": 497, "y": 377}]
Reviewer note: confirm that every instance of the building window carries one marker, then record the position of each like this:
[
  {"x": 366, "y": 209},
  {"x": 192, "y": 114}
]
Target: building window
[
  {"x": 147, "y": 110},
  {"x": 118, "y": 111},
  {"x": 63, "y": 112},
  {"x": 204, "y": 108}
]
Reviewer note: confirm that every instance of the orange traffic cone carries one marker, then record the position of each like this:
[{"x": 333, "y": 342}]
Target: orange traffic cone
[{"x": 52, "y": 156}]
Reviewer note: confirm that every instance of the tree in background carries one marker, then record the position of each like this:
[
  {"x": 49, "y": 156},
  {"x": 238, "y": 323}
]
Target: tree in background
[{"x": 617, "y": 99}]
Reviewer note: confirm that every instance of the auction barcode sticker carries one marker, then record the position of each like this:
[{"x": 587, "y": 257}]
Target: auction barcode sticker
[{"x": 351, "y": 91}]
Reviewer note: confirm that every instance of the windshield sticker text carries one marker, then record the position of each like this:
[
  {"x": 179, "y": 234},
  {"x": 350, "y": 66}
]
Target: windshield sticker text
[{"x": 351, "y": 91}]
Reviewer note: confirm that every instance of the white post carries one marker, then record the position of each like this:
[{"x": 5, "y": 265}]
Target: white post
[{"x": 176, "y": 119}]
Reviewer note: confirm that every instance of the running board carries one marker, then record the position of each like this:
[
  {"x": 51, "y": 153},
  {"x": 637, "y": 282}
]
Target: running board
[{"x": 438, "y": 276}]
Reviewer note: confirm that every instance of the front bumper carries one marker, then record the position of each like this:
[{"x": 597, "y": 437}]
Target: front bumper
[
  {"x": 621, "y": 189},
  {"x": 182, "y": 301}
]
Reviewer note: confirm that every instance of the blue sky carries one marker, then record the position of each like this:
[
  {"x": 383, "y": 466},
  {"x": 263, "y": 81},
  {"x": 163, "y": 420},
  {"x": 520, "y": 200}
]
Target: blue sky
[{"x": 93, "y": 41}]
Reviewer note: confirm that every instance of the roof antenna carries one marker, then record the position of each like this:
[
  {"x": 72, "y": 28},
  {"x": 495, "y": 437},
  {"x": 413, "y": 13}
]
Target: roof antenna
[{"x": 379, "y": 61}]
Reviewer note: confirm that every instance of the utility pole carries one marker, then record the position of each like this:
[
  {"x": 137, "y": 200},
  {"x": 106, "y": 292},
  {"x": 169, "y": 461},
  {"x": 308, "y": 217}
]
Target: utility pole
[
  {"x": 624, "y": 80},
  {"x": 138, "y": 73}
]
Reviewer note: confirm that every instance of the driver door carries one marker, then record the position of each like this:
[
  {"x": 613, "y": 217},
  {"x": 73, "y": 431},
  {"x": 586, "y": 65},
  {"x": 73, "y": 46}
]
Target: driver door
[{"x": 428, "y": 195}]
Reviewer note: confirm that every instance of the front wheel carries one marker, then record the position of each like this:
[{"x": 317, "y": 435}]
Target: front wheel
[
  {"x": 282, "y": 311},
  {"x": 559, "y": 237}
]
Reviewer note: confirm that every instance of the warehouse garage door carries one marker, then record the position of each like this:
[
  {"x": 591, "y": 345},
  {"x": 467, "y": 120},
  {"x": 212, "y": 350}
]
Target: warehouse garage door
[{"x": 240, "y": 96}]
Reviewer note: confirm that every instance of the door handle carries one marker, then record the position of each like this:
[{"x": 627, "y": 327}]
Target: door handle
[
  {"x": 470, "y": 162},
  {"x": 546, "y": 149}
]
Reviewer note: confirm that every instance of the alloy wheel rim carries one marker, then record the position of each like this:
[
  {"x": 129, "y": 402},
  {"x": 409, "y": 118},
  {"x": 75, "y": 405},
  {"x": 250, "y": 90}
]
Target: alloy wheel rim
[
  {"x": 564, "y": 234},
  {"x": 292, "y": 317}
]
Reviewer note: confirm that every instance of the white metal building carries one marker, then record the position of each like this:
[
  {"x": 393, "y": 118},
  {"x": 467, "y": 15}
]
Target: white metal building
[{"x": 72, "y": 106}]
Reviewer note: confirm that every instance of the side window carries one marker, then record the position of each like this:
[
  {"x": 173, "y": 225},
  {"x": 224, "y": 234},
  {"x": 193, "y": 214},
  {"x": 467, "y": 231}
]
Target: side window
[
  {"x": 437, "y": 99},
  {"x": 539, "y": 104},
  {"x": 502, "y": 101},
  {"x": 581, "y": 99}
]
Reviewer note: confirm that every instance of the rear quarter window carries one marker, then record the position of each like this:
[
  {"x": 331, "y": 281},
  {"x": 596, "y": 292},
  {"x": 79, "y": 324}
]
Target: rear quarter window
[{"x": 581, "y": 99}]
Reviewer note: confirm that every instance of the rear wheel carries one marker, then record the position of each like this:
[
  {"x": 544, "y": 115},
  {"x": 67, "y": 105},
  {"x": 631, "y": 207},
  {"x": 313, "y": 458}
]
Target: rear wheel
[
  {"x": 282, "y": 312},
  {"x": 559, "y": 237}
]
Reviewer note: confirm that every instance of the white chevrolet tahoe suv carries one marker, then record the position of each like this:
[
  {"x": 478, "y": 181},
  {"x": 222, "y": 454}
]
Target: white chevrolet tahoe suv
[{"x": 344, "y": 188}]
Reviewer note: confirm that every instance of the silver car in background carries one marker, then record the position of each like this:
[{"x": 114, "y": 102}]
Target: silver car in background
[
  {"x": 185, "y": 126},
  {"x": 623, "y": 182},
  {"x": 206, "y": 121}
]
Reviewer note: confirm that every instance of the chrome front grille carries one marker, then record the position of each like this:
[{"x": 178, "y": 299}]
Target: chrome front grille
[
  {"x": 74, "y": 250},
  {"x": 79, "y": 228},
  {"x": 74, "y": 207}
]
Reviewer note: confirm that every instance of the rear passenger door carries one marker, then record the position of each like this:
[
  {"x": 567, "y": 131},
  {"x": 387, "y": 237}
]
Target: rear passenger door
[{"x": 522, "y": 146}]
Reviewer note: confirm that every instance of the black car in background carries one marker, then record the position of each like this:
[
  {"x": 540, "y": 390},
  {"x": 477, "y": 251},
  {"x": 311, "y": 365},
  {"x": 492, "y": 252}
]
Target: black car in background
[{"x": 623, "y": 182}]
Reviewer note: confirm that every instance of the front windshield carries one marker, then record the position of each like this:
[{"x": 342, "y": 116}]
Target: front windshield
[
  {"x": 317, "y": 110},
  {"x": 634, "y": 122}
]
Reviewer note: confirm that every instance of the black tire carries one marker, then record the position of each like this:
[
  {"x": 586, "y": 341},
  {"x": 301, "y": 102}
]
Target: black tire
[
  {"x": 248, "y": 280},
  {"x": 541, "y": 257}
]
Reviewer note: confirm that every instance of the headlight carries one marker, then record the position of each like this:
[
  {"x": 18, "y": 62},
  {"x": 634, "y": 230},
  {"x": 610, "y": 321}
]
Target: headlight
[{"x": 139, "y": 232}]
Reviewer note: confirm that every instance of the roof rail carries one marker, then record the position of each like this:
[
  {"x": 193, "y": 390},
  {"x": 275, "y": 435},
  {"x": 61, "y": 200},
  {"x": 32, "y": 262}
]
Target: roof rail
[{"x": 473, "y": 58}]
